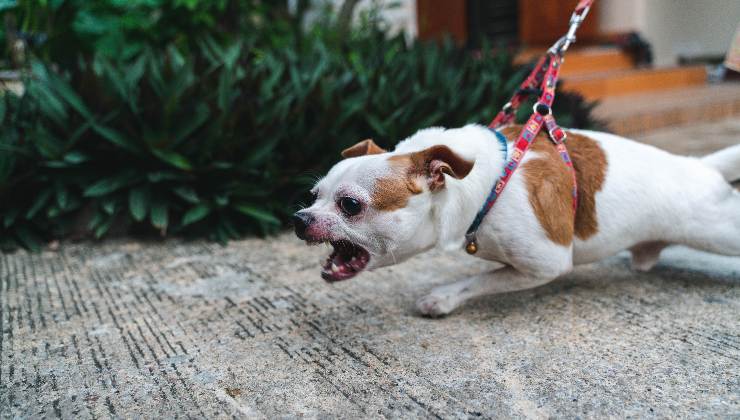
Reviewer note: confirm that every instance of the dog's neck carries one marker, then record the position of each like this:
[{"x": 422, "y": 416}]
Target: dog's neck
[{"x": 455, "y": 207}]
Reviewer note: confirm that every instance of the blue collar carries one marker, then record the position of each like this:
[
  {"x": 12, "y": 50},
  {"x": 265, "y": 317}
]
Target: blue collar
[{"x": 504, "y": 144}]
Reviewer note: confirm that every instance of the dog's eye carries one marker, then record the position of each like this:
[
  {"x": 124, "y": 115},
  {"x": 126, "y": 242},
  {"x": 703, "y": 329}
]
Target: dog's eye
[{"x": 350, "y": 206}]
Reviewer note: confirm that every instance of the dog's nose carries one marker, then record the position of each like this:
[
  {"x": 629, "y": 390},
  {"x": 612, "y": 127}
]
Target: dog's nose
[{"x": 301, "y": 220}]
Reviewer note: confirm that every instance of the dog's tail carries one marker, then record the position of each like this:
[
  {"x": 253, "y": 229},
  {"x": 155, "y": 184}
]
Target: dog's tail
[{"x": 726, "y": 161}]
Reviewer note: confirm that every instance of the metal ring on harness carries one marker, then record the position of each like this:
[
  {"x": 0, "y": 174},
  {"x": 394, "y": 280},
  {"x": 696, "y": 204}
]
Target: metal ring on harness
[{"x": 542, "y": 109}]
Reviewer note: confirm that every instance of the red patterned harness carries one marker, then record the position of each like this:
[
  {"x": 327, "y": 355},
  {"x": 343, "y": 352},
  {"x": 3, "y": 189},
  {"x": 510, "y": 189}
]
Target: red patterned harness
[{"x": 543, "y": 79}]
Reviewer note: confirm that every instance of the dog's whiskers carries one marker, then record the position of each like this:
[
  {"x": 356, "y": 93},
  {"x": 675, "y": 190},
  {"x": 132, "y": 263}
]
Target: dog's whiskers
[{"x": 390, "y": 251}]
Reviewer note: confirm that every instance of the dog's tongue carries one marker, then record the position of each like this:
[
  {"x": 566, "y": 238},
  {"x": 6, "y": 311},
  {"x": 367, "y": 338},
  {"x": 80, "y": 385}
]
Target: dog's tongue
[
  {"x": 344, "y": 262},
  {"x": 336, "y": 269}
]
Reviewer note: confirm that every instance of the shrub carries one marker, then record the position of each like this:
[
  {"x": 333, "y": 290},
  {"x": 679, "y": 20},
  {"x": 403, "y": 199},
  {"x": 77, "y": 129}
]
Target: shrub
[{"x": 220, "y": 136}]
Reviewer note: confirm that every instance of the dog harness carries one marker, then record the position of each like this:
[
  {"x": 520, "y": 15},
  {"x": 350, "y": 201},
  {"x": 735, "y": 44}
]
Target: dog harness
[{"x": 542, "y": 80}]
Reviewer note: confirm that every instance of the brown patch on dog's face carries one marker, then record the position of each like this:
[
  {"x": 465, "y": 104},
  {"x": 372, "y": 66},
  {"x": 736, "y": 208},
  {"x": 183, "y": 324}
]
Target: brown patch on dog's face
[
  {"x": 550, "y": 185},
  {"x": 392, "y": 192},
  {"x": 365, "y": 147},
  {"x": 409, "y": 171}
]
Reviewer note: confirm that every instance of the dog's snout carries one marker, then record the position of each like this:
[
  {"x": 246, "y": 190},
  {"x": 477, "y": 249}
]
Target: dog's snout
[{"x": 301, "y": 221}]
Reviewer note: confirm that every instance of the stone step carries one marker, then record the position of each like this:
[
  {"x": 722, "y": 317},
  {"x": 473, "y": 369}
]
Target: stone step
[
  {"x": 608, "y": 84},
  {"x": 638, "y": 113},
  {"x": 584, "y": 60}
]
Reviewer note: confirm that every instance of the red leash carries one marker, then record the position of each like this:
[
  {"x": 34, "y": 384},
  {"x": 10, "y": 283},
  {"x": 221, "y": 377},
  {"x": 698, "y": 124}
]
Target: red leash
[{"x": 543, "y": 78}]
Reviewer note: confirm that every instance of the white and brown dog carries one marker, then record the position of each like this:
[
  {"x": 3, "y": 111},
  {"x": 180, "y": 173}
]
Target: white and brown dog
[{"x": 379, "y": 208}]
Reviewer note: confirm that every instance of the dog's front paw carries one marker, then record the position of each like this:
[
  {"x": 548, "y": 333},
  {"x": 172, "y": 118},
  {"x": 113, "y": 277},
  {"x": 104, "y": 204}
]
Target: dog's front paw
[{"x": 435, "y": 304}]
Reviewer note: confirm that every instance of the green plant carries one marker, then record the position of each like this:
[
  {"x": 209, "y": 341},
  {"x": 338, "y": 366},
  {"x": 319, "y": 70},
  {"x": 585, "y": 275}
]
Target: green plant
[
  {"x": 220, "y": 136},
  {"x": 59, "y": 31}
]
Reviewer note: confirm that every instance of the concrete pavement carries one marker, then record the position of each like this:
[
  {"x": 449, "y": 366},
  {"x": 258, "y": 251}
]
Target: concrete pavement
[{"x": 193, "y": 329}]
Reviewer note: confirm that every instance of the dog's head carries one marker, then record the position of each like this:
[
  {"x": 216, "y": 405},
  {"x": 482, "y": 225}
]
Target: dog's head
[{"x": 375, "y": 207}]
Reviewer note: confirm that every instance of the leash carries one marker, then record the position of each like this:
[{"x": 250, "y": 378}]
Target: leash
[{"x": 542, "y": 80}]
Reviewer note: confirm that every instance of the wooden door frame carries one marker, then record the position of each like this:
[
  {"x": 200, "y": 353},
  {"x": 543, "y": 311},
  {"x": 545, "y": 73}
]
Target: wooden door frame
[
  {"x": 540, "y": 22},
  {"x": 436, "y": 19}
]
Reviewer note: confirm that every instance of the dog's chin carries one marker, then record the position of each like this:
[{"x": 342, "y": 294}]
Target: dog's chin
[{"x": 346, "y": 261}]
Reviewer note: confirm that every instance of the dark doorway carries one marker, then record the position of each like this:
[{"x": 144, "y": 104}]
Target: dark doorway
[{"x": 496, "y": 21}]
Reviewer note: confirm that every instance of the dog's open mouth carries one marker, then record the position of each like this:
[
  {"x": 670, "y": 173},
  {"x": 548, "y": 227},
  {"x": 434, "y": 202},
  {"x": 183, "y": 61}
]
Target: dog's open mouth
[{"x": 345, "y": 261}]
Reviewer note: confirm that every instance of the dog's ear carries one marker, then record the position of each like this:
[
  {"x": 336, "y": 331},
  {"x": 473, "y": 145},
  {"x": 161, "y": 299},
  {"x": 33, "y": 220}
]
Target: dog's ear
[
  {"x": 437, "y": 161},
  {"x": 365, "y": 147}
]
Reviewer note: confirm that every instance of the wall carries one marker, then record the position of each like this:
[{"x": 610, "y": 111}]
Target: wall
[
  {"x": 621, "y": 15},
  {"x": 401, "y": 18},
  {"x": 675, "y": 27},
  {"x": 399, "y": 14}
]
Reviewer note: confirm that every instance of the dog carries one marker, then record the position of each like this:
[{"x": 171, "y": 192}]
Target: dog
[{"x": 377, "y": 208}]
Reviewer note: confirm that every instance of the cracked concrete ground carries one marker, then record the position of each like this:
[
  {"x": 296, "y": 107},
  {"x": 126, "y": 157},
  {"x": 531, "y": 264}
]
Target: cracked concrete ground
[{"x": 193, "y": 329}]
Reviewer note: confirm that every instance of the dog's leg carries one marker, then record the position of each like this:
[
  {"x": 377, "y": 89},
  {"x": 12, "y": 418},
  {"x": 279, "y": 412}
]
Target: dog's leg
[
  {"x": 444, "y": 299},
  {"x": 646, "y": 254},
  {"x": 716, "y": 229}
]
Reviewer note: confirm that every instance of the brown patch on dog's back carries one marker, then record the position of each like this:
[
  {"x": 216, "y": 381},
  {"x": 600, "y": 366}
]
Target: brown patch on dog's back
[
  {"x": 550, "y": 184},
  {"x": 590, "y": 162},
  {"x": 550, "y": 187}
]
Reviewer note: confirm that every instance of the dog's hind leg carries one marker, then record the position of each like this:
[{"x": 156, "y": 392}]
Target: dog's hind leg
[
  {"x": 726, "y": 161},
  {"x": 645, "y": 255},
  {"x": 716, "y": 227},
  {"x": 444, "y": 299}
]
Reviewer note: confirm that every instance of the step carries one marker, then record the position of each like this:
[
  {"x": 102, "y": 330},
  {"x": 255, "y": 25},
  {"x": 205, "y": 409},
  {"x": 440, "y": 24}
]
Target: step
[
  {"x": 622, "y": 82},
  {"x": 583, "y": 60},
  {"x": 635, "y": 114},
  {"x": 595, "y": 59},
  {"x": 697, "y": 139}
]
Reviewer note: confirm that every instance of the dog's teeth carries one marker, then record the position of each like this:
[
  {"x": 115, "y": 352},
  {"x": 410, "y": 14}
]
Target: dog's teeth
[
  {"x": 334, "y": 268},
  {"x": 354, "y": 259}
]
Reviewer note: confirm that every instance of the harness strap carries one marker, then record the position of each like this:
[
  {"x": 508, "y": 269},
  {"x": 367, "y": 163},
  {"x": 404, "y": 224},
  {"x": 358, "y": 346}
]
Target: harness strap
[
  {"x": 558, "y": 136},
  {"x": 531, "y": 84},
  {"x": 545, "y": 75},
  {"x": 583, "y": 6},
  {"x": 543, "y": 78}
]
